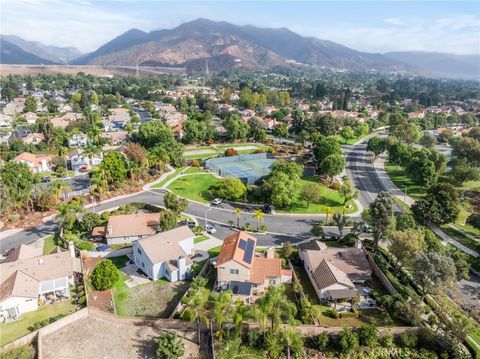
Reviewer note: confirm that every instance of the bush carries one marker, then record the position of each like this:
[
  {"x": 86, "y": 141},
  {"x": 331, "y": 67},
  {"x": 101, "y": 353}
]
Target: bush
[
  {"x": 188, "y": 315},
  {"x": 321, "y": 341},
  {"x": 170, "y": 346},
  {"x": 262, "y": 228},
  {"x": 231, "y": 152},
  {"x": 350, "y": 239},
  {"x": 335, "y": 186},
  {"x": 368, "y": 335},
  {"x": 407, "y": 340},
  {"x": 23, "y": 352},
  {"x": 474, "y": 220},
  {"x": 13, "y": 218},
  {"x": 105, "y": 215},
  {"x": 247, "y": 227},
  {"x": 47, "y": 201},
  {"x": 195, "y": 163},
  {"x": 104, "y": 275},
  {"x": 317, "y": 230},
  {"x": 84, "y": 245},
  {"x": 332, "y": 313}
]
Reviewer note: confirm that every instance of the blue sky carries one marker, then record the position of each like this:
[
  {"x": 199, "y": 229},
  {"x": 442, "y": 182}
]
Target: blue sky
[{"x": 373, "y": 26}]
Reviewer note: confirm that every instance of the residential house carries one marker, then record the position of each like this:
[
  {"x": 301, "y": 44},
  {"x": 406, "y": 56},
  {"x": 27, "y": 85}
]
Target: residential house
[
  {"x": 77, "y": 160},
  {"x": 30, "y": 117},
  {"x": 29, "y": 278},
  {"x": 270, "y": 109},
  {"x": 115, "y": 137},
  {"x": 127, "y": 228},
  {"x": 335, "y": 272},
  {"x": 64, "y": 121},
  {"x": 33, "y": 138},
  {"x": 166, "y": 254},
  {"x": 36, "y": 163},
  {"x": 244, "y": 272},
  {"x": 78, "y": 140},
  {"x": 118, "y": 117}
]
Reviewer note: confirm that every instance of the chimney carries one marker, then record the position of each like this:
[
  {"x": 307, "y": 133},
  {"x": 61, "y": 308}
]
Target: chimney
[
  {"x": 181, "y": 264},
  {"x": 71, "y": 248},
  {"x": 40, "y": 260},
  {"x": 270, "y": 253},
  {"x": 109, "y": 229}
]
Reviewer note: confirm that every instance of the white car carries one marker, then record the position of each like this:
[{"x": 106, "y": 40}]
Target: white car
[
  {"x": 217, "y": 201},
  {"x": 210, "y": 229}
]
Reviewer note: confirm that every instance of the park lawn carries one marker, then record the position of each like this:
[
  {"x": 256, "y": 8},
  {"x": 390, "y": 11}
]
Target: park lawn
[
  {"x": 18, "y": 328},
  {"x": 194, "y": 187},
  {"x": 192, "y": 170},
  {"x": 48, "y": 245},
  {"x": 330, "y": 199},
  {"x": 351, "y": 141},
  {"x": 168, "y": 178},
  {"x": 402, "y": 181},
  {"x": 199, "y": 239},
  {"x": 462, "y": 238},
  {"x": 200, "y": 157}
]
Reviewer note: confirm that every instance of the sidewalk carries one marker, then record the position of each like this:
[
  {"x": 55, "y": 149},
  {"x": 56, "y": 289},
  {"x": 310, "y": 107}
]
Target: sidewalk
[{"x": 390, "y": 187}]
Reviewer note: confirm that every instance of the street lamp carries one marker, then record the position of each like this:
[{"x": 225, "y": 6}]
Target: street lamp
[{"x": 206, "y": 215}]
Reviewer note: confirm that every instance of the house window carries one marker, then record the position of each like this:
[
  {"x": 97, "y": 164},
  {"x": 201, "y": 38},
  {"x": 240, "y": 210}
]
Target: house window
[
  {"x": 234, "y": 271},
  {"x": 143, "y": 265},
  {"x": 272, "y": 282},
  {"x": 139, "y": 251},
  {"x": 167, "y": 272}
]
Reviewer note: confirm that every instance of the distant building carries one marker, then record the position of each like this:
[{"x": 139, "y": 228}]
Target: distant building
[
  {"x": 33, "y": 138},
  {"x": 166, "y": 254},
  {"x": 36, "y": 163}
]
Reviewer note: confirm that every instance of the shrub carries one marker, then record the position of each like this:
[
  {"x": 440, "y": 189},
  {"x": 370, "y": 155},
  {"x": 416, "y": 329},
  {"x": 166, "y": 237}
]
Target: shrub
[
  {"x": 247, "y": 227},
  {"x": 104, "y": 275},
  {"x": 105, "y": 216},
  {"x": 198, "y": 230},
  {"x": 335, "y": 186},
  {"x": 47, "y": 201},
  {"x": 368, "y": 335},
  {"x": 231, "y": 152},
  {"x": 321, "y": 341},
  {"x": 350, "y": 239},
  {"x": 170, "y": 346},
  {"x": 13, "y": 218},
  {"x": 348, "y": 340},
  {"x": 23, "y": 352},
  {"x": 210, "y": 142},
  {"x": 262, "y": 228},
  {"x": 188, "y": 315},
  {"x": 259, "y": 150},
  {"x": 407, "y": 340},
  {"x": 317, "y": 230},
  {"x": 474, "y": 220},
  {"x": 84, "y": 245},
  {"x": 195, "y": 163},
  {"x": 332, "y": 313}
]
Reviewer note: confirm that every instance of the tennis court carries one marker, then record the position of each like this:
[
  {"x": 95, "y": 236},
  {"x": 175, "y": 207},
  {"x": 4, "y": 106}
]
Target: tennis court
[{"x": 248, "y": 168}]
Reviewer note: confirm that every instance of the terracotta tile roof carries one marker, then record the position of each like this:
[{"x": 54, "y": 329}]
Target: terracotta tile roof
[
  {"x": 98, "y": 231},
  {"x": 31, "y": 158},
  {"x": 132, "y": 224},
  {"x": 265, "y": 267},
  {"x": 231, "y": 249},
  {"x": 165, "y": 247}
]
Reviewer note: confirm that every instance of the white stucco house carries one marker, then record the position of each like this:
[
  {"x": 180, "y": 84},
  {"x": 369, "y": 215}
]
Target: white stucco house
[
  {"x": 76, "y": 160},
  {"x": 29, "y": 279},
  {"x": 166, "y": 254}
]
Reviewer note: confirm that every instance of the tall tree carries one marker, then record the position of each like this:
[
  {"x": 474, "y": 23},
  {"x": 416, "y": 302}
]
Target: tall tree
[
  {"x": 440, "y": 205},
  {"x": 380, "y": 216},
  {"x": 347, "y": 190},
  {"x": 17, "y": 181}
]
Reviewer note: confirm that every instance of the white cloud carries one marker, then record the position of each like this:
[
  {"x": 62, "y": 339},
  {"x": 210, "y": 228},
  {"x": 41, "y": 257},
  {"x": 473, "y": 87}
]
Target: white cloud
[{"x": 394, "y": 21}]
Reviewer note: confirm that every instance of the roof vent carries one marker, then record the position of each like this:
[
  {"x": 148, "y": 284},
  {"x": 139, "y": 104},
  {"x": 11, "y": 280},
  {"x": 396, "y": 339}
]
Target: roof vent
[{"x": 40, "y": 260}]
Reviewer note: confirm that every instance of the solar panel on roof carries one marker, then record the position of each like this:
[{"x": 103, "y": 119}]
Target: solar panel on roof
[
  {"x": 248, "y": 255},
  {"x": 242, "y": 244}
]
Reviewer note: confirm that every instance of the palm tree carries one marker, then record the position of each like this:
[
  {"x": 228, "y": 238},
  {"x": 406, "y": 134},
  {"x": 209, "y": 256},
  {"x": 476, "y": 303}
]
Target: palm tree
[
  {"x": 241, "y": 312},
  {"x": 59, "y": 188},
  {"x": 238, "y": 212},
  {"x": 292, "y": 339},
  {"x": 259, "y": 217},
  {"x": 327, "y": 215},
  {"x": 340, "y": 220},
  {"x": 221, "y": 310},
  {"x": 275, "y": 305}
]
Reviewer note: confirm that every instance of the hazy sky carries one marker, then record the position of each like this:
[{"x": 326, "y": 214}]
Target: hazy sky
[{"x": 374, "y": 26}]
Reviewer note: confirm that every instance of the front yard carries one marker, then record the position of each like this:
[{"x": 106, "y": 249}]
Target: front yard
[
  {"x": 194, "y": 187},
  {"x": 26, "y": 324}
]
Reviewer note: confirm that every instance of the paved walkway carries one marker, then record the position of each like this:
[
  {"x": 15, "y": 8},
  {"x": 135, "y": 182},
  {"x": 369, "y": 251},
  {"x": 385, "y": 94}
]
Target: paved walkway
[{"x": 379, "y": 165}]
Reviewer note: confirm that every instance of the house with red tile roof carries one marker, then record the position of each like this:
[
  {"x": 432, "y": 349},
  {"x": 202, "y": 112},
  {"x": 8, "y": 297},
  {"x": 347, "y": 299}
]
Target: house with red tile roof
[
  {"x": 36, "y": 163},
  {"x": 241, "y": 270}
]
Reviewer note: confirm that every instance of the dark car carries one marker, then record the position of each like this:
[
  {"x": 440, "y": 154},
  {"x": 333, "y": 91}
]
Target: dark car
[
  {"x": 45, "y": 179},
  {"x": 187, "y": 223},
  {"x": 267, "y": 209}
]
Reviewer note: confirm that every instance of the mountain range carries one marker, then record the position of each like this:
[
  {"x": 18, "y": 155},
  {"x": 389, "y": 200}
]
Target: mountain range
[{"x": 222, "y": 46}]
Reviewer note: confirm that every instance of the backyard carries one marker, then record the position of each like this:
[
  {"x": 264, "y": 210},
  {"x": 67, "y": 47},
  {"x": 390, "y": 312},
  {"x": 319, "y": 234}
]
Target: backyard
[
  {"x": 154, "y": 299},
  {"x": 26, "y": 324},
  {"x": 377, "y": 316}
]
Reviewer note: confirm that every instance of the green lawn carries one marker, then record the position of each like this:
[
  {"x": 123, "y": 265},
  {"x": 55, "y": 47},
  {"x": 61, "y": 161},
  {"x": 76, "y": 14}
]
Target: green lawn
[
  {"x": 168, "y": 178},
  {"x": 402, "y": 181},
  {"x": 194, "y": 187},
  {"x": 351, "y": 141},
  {"x": 330, "y": 199},
  {"x": 460, "y": 237},
  {"x": 18, "y": 328},
  {"x": 213, "y": 252},
  {"x": 48, "y": 245},
  {"x": 199, "y": 239},
  {"x": 217, "y": 150}
]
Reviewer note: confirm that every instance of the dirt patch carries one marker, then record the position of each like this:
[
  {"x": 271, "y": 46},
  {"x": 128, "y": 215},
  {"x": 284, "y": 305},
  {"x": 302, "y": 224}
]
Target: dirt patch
[
  {"x": 95, "y": 298},
  {"x": 92, "y": 338},
  {"x": 155, "y": 299}
]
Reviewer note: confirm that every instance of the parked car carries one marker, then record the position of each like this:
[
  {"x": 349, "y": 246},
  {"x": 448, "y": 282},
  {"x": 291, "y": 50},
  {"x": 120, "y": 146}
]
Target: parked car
[
  {"x": 190, "y": 224},
  {"x": 267, "y": 209},
  {"x": 217, "y": 201},
  {"x": 45, "y": 179},
  {"x": 210, "y": 229},
  {"x": 102, "y": 248},
  {"x": 66, "y": 178},
  {"x": 83, "y": 169}
]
